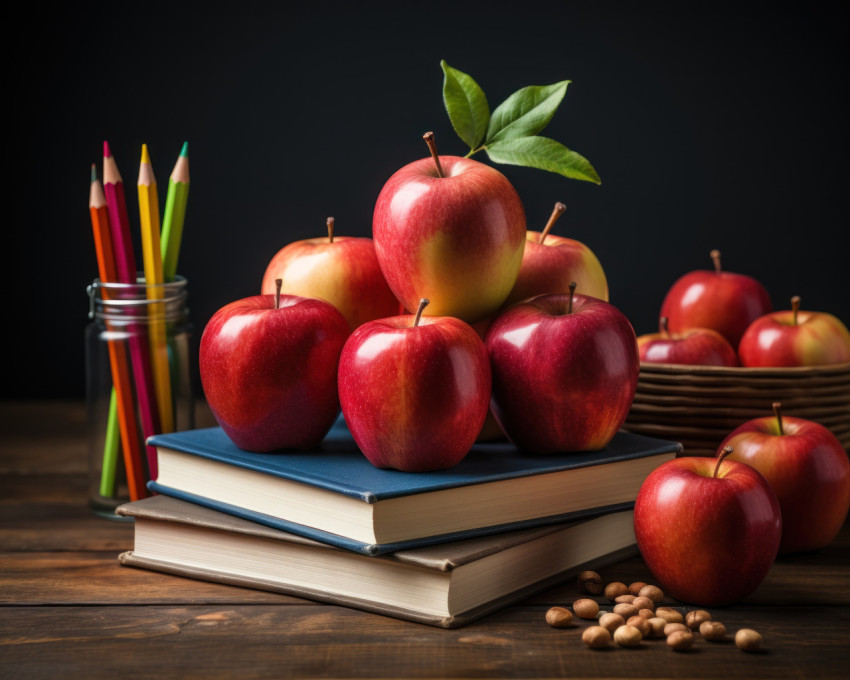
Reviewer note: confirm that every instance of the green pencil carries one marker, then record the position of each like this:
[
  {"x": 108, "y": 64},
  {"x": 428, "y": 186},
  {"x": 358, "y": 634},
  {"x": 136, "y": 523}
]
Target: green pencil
[
  {"x": 110, "y": 449},
  {"x": 175, "y": 214}
]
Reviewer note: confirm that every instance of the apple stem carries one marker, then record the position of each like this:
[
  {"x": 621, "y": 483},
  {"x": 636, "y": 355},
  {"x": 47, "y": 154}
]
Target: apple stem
[
  {"x": 665, "y": 326},
  {"x": 777, "y": 410},
  {"x": 423, "y": 303},
  {"x": 278, "y": 283},
  {"x": 432, "y": 145},
  {"x": 715, "y": 256},
  {"x": 557, "y": 211},
  {"x": 330, "y": 230},
  {"x": 725, "y": 452},
  {"x": 572, "y": 292},
  {"x": 795, "y": 307}
]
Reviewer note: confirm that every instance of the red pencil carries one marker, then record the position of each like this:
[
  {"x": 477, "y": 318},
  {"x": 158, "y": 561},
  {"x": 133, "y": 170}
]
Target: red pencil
[{"x": 125, "y": 261}]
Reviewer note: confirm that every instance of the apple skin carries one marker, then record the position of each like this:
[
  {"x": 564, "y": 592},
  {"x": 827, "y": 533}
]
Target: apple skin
[
  {"x": 694, "y": 347},
  {"x": 709, "y": 541},
  {"x": 723, "y": 301},
  {"x": 562, "y": 381},
  {"x": 456, "y": 240},
  {"x": 344, "y": 272},
  {"x": 414, "y": 397},
  {"x": 816, "y": 339},
  {"x": 270, "y": 375},
  {"x": 551, "y": 266},
  {"x": 808, "y": 470}
]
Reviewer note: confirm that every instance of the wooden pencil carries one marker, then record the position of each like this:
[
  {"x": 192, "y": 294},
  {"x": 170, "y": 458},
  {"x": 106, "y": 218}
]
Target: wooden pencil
[
  {"x": 152, "y": 256},
  {"x": 122, "y": 407},
  {"x": 175, "y": 213},
  {"x": 126, "y": 266}
]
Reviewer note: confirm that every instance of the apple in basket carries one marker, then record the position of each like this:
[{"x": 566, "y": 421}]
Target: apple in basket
[{"x": 695, "y": 347}]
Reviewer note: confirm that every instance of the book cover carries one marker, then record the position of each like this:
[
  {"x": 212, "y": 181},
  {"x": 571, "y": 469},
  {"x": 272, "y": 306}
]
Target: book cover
[
  {"x": 335, "y": 495},
  {"x": 446, "y": 585}
]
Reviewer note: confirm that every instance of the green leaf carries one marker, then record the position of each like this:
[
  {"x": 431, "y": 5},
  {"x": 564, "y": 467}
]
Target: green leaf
[
  {"x": 466, "y": 105},
  {"x": 526, "y": 112},
  {"x": 545, "y": 154}
]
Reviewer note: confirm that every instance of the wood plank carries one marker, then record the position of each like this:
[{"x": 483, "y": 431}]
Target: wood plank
[{"x": 274, "y": 641}]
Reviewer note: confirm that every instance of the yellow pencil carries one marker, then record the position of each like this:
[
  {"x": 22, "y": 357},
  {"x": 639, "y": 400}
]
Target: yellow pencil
[{"x": 149, "y": 218}]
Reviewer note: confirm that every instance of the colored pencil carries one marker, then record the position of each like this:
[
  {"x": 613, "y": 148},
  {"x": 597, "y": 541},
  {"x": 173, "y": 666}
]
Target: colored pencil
[
  {"x": 175, "y": 213},
  {"x": 149, "y": 219},
  {"x": 122, "y": 407},
  {"x": 125, "y": 260}
]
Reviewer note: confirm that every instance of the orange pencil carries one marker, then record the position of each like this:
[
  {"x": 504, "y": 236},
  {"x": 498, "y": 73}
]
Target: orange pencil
[{"x": 117, "y": 352}]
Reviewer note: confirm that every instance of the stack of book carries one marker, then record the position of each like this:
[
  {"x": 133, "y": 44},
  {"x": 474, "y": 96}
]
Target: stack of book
[{"x": 441, "y": 548}]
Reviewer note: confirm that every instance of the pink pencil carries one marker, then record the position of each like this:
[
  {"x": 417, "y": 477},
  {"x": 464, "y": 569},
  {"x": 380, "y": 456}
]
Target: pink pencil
[{"x": 125, "y": 261}]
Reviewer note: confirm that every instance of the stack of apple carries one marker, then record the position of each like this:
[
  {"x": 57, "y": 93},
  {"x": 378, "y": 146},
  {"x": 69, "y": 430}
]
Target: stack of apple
[
  {"x": 721, "y": 318},
  {"x": 557, "y": 363}
]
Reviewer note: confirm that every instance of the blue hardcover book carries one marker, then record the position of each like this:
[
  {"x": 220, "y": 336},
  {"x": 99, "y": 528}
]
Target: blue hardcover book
[{"x": 335, "y": 495}]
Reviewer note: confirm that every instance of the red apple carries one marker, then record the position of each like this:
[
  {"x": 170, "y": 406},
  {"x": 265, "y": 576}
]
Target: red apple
[
  {"x": 707, "y": 528},
  {"x": 269, "y": 370},
  {"x": 451, "y": 230},
  {"x": 808, "y": 470},
  {"x": 342, "y": 270},
  {"x": 414, "y": 390},
  {"x": 565, "y": 371},
  {"x": 720, "y": 300},
  {"x": 795, "y": 338},
  {"x": 550, "y": 263},
  {"x": 696, "y": 347}
]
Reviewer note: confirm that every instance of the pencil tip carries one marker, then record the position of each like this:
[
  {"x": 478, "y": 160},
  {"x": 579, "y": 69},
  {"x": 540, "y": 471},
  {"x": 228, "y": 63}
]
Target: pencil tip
[
  {"x": 106, "y": 152},
  {"x": 145, "y": 156},
  {"x": 93, "y": 173},
  {"x": 185, "y": 150}
]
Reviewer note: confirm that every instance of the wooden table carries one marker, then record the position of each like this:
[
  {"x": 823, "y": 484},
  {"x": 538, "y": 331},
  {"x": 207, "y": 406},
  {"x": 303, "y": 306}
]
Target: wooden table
[{"x": 68, "y": 610}]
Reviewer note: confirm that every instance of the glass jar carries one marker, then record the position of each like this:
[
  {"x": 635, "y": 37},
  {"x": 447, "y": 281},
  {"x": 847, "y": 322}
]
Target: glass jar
[{"x": 138, "y": 383}]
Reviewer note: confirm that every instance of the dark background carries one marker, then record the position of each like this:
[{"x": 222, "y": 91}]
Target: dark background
[{"x": 711, "y": 126}]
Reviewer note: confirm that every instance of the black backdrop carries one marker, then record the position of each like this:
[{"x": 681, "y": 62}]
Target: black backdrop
[{"x": 711, "y": 126}]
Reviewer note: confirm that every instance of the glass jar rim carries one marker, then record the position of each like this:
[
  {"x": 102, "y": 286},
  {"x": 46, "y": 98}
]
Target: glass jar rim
[{"x": 171, "y": 296}]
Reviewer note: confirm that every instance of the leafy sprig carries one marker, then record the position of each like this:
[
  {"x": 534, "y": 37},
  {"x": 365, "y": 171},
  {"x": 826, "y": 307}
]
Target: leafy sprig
[{"x": 510, "y": 134}]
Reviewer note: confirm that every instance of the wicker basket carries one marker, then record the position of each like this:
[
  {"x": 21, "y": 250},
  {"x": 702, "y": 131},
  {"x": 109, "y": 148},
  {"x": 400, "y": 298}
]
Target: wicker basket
[{"x": 699, "y": 405}]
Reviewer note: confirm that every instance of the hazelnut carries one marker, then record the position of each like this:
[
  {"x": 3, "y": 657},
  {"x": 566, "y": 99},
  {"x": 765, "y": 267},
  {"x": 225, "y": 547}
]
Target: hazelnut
[
  {"x": 628, "y": 599},
  {"x": 643, "y": 603},
  {"x": 694, "y": 618},
  {"x": 627, "y": 636},
  {"x": 596, "y": 637},
  {"x": 712, "y": 630},
  {"x": 641, "y": 624},
  {"x": 748, "y": 640},
  {"x": 673, "y": 627},
  {"x": 586, "y": 608},
  {"x": 634, "y": 588},
  {"x": 669, "y": 614},
  {"x": 611, "y": 621},
  {"x": 656, "y": 626},
  {"x": 646, "y": 613},
  {"x": 652, "y": 592},
  {"x": 625, "y": 610},
  {"x": 615, "y": 589},
  {"x": 559, "y": 617},
  {"x": 680, "y": 640},
  {"x": 591, "y": 582}
]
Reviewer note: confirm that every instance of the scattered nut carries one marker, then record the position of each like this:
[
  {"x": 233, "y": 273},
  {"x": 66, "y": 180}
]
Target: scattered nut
[
  {"x": 641, "y": 624},
  {"x": 748, "y": 640},
  {"x": 712, "y": 630},
  {"x": 627, "y": 636},
  {"x": 694, "y": 618},
  {"x": 586, "y": 608},
  {"x": 670, "y": 615},
  {"x": 611, "y": 621},
  {"x": 596, "y": 637},
  {"x": 673, "y": 627},
  {"x": 591, "y": 582},
  {"x": 625, "y": 610},
  {"x": 652, "y": 592},
  {"x": 628, "y": 599},
  {"x": 615, "y": 589},
  {"x": 646, "y": 613},
  {"x": 635, "y": 587},
  {"x": 656, "y": 626},
  {"x": 643, "y": 603},
  {"x": 680, "y": 640},
  {"x": 559, "y": 617}
]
